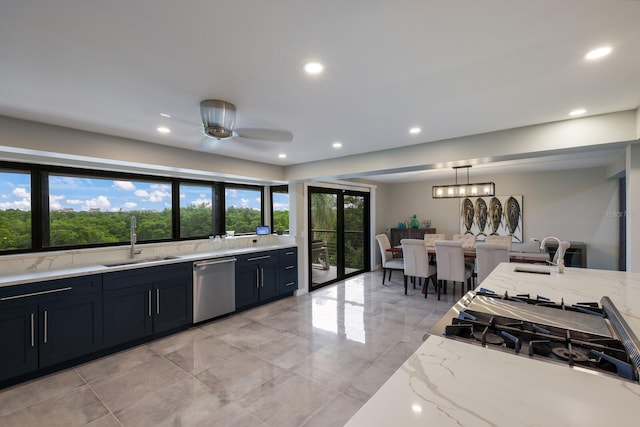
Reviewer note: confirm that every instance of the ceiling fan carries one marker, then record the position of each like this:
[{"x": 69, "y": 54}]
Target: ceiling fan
[{"x": 218, "y": 120}]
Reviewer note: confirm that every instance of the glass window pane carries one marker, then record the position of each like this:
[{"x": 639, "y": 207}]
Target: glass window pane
[
  {"x": 280, "y": 211},
  {"x": 87, "y": 210},
  {"x": 243, "y": 209},
  {"x": 15, "y": 210},
  {"x": 196, "y": 212}
]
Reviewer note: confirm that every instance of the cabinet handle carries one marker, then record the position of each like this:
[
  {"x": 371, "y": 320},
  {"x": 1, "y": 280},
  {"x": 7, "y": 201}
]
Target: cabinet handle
[
  {"x": 202, "y": 264},
  {"x": 46, "y": 320},
  {"x": 32, "y": 294},
  {"x": 289, "y": 267},
  {"x": 149, "y": 302},
  {"x": 33, "y": 340},
  {"x": 261, "y": 277},
  {"x": 289, "y": 284},
  {"x": 288, "y": 253},
  {"x": 257, "y": 279},
  {"x": 157, "y": 301},
  {"x": 259, "y": 258}
]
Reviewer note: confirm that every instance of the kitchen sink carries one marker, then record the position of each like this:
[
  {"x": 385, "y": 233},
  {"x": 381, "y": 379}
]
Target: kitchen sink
[{"x": 139, "y": 261}]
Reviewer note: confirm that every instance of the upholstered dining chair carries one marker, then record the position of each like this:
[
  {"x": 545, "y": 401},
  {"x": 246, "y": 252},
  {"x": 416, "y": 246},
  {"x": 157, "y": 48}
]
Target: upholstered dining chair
[
  {"x": 468, "y": 240},
  {"x": 429, "y": 239},
  {"x": 416, "y": 263},
  {"x": 389, "y": 263},
  {"x": 489, "y": 255},
  {"x": 499, "y": 240},
  {"x": 451, "y": 265}
]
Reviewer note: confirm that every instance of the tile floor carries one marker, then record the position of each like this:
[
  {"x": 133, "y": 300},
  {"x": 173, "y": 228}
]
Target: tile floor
[{"x": 311, "y": 360}]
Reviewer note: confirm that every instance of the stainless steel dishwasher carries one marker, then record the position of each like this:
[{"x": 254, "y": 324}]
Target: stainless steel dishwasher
[{"x": 214, "y": 288}]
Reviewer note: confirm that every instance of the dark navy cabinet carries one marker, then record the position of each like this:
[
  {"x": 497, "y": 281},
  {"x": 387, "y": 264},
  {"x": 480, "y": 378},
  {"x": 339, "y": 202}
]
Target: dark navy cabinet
[
  {"x": 18, "y": 335},
  {"x": 70, "y": 328},
  {"x": 256, "y": 278},
  {"x": 145, "y": 301},
  {"x": 43, "y": 324}
]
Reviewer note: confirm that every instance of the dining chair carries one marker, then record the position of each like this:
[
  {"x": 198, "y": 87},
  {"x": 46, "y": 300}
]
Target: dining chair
[
  {"x": 451, "y": 265},
  {"x": 489, "y": 255},
  {"x": 468, "y": 240},
  {"x": 416, "y": 264},
  {"x": 499, "y": 240},
  {"x": 389, "y": 263},
  {"x": 429, "y": 239}
]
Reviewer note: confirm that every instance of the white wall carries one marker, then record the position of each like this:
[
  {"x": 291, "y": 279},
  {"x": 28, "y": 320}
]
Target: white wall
[
  {"x": 572, "y": 205},
  {"x": 632, "y": 213},
  {"x": 26, "y": 141}
]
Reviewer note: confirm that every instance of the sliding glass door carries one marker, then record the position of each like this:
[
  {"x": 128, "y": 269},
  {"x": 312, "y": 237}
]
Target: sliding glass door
[{"x": 338, "y": 235}]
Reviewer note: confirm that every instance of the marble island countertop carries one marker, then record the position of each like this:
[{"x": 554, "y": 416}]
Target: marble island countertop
[
  {"x": 447, "y": 382},
  {"x": 62, "y": 272}
]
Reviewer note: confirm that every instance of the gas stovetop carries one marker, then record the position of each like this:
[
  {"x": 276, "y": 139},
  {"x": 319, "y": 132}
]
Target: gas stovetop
[{"x": 591, "y": 336}]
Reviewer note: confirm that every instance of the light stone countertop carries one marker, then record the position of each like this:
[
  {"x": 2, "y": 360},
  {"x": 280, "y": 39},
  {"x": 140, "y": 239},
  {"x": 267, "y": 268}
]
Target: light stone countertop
[
  {"x": 452, "y": 383},
  {"x": 76, "y": 271}
]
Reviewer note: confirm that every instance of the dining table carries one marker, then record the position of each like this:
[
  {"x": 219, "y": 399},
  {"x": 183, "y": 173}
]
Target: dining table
[{"x": 470, "y": 252}]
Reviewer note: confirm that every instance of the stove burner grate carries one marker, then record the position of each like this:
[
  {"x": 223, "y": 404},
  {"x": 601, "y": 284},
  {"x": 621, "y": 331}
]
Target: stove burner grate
[
  {"x": 575, "y": 355},
  {"x": 489, "y": 338}
]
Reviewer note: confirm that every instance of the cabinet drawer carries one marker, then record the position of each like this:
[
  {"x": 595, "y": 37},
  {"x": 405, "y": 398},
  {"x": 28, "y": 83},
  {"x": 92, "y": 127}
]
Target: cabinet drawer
[
  {"x": 288, "y": 255},
  {"x": 31, "y": 293},
  {"x": 288, "y": 277},
  {"x": 256, "y": 258},
  {"x": 134, "y": 277}
]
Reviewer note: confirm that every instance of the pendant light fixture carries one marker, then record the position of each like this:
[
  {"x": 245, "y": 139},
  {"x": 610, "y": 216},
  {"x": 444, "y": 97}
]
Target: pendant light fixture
[{"x": 463, "y": 190}]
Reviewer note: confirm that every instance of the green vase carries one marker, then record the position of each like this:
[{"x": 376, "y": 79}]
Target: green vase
[{"x": 414, "y": 222}]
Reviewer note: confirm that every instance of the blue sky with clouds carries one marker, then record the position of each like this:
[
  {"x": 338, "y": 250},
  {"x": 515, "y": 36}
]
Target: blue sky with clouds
[{"x": 107, "y": 195}]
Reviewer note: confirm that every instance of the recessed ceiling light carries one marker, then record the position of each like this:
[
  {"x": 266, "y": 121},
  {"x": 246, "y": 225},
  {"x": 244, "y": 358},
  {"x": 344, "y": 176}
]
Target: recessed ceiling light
[
  {"x": 337, "y": 144},
  {"x": 415, "y": 130},
  {"x": 577, "y": 112},
  {"x": 168, "y": 116},
  {"x": 313, "y": 67},
  {"x": 598, "y": 53},
  {"x": 163, "y": 129},
  {"x": 282, "y": 156}
]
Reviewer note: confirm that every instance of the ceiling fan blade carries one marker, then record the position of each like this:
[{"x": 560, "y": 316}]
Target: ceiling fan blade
[{"x": 265, "y": 134}]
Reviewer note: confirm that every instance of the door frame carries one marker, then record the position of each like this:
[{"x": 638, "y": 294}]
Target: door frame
[{"x": 340, "y": 232}]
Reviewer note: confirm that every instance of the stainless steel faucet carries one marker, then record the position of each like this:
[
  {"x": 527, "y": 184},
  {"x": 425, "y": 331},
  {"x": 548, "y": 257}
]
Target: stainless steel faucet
[
  {"x": 562, "y": 247},
  {"x": 134, "y": 238}
]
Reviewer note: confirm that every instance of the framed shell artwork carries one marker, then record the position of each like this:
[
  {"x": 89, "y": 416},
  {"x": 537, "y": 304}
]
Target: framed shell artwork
[{"x": 492, "y": 215}]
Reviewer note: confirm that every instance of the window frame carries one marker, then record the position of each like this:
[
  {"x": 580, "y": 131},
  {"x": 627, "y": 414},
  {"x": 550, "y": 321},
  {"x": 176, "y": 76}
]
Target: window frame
[
  {"x": 46, "y": 173},
  {"x": 40, "y": 217},
  {"x": 281, "y": 189},
  {"x": 215, "y": 207},
  {"x": 18, "y": 168},
  {"x": 223, "y": 204}
]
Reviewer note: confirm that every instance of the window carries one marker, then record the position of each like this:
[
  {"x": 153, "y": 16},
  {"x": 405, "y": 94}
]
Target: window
[
  {"x": 196, "y": 210},
  {"x": 280, "y": 209},
  {"x": 85, "y": 210},
  {"x": 15, "y": 210},
  {"x": 243, "y": 208},
  {"x": 50, "y": 207}
]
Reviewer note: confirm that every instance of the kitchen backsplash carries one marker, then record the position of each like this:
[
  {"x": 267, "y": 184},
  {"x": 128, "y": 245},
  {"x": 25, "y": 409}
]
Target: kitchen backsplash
[{"x": 46, "y": 261}]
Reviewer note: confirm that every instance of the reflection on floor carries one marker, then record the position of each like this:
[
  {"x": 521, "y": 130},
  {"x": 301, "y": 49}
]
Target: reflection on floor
[
  {"x": 320, "y": 275},
  {"x": 311, "y": 360}
]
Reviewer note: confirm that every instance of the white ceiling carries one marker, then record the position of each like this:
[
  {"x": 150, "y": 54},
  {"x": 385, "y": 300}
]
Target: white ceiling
[{"x": 453, "y": 68}]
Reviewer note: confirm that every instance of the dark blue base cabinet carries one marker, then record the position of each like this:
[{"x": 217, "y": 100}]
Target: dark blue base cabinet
[
  {"x": 44, "y": 324},
  {"x": 143, "y": 302},
  {"x": 51, "y": 325},
  {"x": 265, "y": 276}
]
